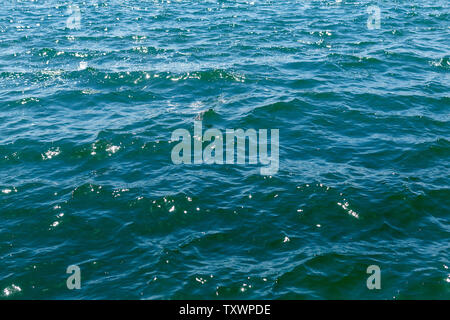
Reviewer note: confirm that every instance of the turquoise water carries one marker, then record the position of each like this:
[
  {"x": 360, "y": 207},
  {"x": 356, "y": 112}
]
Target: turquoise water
[{"x": 86, "y": 176}]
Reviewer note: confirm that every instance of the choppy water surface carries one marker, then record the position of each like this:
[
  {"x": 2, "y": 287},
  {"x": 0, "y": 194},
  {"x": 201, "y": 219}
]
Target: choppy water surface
[{"x": 86, "y": 178}]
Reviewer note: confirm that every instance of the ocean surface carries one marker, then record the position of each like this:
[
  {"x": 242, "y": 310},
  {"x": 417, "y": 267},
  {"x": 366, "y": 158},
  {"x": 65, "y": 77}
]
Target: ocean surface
[{"x": 91, "y": 91}]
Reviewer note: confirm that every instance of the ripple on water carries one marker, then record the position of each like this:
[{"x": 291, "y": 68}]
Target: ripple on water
[{"x": 86, "y": 177}]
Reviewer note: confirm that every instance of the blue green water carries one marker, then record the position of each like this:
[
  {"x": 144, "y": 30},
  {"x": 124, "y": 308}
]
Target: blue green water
[{"x": 86, "y": 177}]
